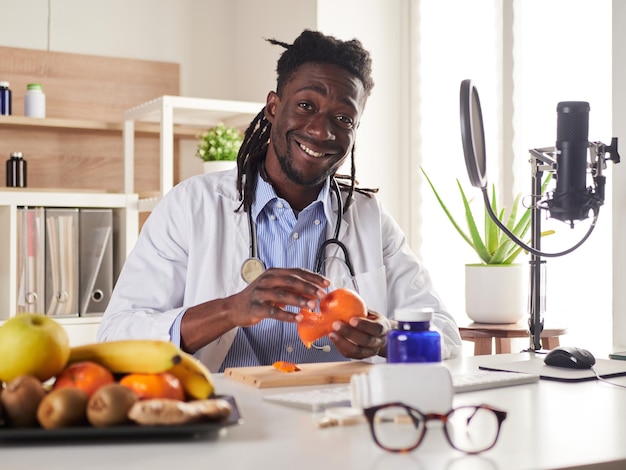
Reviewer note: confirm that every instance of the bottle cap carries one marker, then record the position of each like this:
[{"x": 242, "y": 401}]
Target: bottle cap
[
  {"x": 419, "y": 314},
  {"x": 16, "y": 155},
  {"x": 4, "y": 84},
  {"x": 34, "y": 86}
]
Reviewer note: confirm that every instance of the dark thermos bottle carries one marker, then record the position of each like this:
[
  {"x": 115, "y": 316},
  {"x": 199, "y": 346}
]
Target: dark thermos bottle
[{"x": 16, "y": 171}]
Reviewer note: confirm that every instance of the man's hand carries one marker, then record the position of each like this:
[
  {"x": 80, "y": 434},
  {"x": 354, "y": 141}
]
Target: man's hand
[
  {"x": 361, "y": 338},
  {"x": 267, "y": 296}
]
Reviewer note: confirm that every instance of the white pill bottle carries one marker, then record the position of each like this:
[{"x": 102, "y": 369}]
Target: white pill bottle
[{"x": 34, "y": 101}]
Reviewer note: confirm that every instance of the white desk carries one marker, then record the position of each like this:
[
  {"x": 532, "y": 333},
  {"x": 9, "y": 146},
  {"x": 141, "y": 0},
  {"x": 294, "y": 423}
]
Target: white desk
[{"x": 550, "y": 425}]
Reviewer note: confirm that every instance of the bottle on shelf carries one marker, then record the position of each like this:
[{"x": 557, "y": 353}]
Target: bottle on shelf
[
  {"x": 16, "y": 171},
  {"x": 34, "y": 101},
  {"x": 413, "y": 340},
  {"x": 5, "y": 99}
]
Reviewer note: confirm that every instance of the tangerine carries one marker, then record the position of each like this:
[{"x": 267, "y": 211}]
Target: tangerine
[
  {"x": 162, "y": 385},
  {"x": 87, "y": 376},
  {"x": 340, "y": 304}
]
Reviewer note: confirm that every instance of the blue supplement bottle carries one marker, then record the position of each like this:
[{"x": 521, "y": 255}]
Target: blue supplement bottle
[
  {"x": 5, "y": 99},
  {"x": 413, "y": 340}
]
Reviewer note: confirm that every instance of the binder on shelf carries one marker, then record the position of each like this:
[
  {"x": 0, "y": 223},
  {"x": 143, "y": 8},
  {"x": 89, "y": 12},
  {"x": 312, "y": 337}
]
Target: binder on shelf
[
  {"x": 61, "y": 262},
  {"x": 96, "y": 260},
  {"x": 30, "y": 260}
]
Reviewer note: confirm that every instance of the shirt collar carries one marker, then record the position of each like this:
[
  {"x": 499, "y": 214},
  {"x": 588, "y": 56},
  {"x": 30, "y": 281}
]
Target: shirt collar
[{"x": 265, "y": 194}]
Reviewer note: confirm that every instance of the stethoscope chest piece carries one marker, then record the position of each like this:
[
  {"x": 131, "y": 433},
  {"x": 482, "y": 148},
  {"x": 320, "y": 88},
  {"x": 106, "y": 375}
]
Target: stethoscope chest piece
[{"x": 251, "y": 269}]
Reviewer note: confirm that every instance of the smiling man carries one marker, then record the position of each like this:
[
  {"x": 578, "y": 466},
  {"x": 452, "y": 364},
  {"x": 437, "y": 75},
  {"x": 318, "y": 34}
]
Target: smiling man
[{"x": 226, "y": 260}]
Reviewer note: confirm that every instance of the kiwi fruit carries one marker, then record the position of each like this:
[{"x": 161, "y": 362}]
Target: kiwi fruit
[
  {"x": 63, "y": 407},
  {"x": 20, "y": 399},
  {"x": 109, "y": 405}
]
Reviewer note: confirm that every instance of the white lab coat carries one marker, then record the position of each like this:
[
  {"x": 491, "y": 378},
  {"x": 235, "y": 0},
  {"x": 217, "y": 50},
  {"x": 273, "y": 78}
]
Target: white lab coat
[{"x": 191, "y": 248}]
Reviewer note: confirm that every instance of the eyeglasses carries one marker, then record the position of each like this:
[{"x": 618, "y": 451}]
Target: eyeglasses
[{"x": 397, "y": 427}]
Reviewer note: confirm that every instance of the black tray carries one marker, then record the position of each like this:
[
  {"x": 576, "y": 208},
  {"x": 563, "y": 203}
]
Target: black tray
[{"x": 112, "y": 433}]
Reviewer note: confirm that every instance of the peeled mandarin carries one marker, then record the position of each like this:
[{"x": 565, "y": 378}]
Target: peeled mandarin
[{"x": 340, "y": 304}]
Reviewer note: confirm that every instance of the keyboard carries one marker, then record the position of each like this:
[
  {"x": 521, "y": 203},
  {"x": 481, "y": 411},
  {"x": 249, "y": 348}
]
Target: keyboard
[
  {"x": 315, "y": 400},
  {"x": 486, "y": 379},
  {"x": 328, "y": 397}
]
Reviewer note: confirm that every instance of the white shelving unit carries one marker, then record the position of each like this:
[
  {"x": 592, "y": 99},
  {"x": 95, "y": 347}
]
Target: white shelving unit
[
  {"x": 125, "y": 212},
  {"x": 178, "y": 116}
]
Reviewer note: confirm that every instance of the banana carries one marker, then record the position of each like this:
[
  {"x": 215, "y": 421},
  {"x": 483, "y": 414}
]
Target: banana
[
  {"x": 194, "y": 377},
  {"x": 129, "y": 356}
]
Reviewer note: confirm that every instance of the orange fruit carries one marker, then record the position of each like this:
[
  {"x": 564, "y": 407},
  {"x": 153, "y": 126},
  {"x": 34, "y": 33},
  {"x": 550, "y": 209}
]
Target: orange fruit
[
  {"x": 340, "y": 304},
  {"x": 344, "y": 304},
  {"x": 163, "y": 385},
  {"x": 285, "y": 366},
  {"x": 87, "y": 376},
  {"x": 313, "y": 326}
]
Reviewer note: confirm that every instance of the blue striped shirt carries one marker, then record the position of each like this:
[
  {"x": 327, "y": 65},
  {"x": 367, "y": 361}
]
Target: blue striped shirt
[{"x": 284, "y": 240}]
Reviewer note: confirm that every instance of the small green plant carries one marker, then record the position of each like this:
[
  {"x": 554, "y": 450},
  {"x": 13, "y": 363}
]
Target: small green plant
[
  {"x": 493, "y": 246},
  {"x": 219, "y": 143}
]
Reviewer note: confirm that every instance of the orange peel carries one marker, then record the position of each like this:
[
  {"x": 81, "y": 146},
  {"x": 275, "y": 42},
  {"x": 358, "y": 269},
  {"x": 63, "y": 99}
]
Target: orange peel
[{"x": 285, "y": 366}]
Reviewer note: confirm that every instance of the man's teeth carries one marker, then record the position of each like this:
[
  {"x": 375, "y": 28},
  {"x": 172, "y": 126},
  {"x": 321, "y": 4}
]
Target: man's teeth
[{"x": 308, "y": 151}]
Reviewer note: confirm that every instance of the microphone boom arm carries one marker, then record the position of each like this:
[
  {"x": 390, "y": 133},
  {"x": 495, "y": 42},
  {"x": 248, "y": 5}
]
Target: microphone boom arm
[
  {"x": 571, "y": 199},
  {"x": 542, "y": 159}
]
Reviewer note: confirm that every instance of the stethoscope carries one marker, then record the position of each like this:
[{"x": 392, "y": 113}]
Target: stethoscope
[{"x": 253, "y": 267}]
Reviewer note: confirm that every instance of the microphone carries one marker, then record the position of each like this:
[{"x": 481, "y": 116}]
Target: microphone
[{"x": 570, "y": 199}]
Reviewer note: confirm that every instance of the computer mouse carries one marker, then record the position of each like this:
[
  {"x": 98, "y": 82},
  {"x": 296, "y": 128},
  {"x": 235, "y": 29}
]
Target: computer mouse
[{"x": 570, "y": 357}]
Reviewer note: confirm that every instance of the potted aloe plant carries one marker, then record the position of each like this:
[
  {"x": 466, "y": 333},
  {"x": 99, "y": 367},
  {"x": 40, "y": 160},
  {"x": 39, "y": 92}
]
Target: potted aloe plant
[
  {"x": 494, "y": 288},
  {"x": 218, "y": 147}
]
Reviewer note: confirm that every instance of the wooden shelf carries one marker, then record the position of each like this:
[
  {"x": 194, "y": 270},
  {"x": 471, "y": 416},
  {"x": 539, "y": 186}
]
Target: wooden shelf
[
  {"x": 181, "y": 131},
  {"x": 64, "y": 198},
  {"x": 86, "y": 320}
]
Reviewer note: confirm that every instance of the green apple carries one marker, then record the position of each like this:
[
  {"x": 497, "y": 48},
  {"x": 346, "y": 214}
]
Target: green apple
[{"x": 32, "y": 344}]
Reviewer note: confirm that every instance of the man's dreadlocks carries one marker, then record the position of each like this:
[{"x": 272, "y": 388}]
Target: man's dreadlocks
[{"x": 310, "y": 46}]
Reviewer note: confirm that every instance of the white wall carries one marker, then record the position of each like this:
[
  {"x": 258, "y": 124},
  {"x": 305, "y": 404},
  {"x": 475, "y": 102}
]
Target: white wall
[
  {"x": 137, "y": 29},
  {"x": 218, "y": 43},
  {"x": 255, "y": 21},
  {"x": 245, "y": 68},
  {"x": 26, "y": 23},
  {"x": 382, "y": 140}
]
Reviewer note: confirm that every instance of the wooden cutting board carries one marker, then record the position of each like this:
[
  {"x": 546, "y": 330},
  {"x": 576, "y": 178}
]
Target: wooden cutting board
[{"x": 311, "y": 374}]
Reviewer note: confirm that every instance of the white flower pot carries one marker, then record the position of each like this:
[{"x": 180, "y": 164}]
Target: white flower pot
[
  {"x": 496, "y": 293},
  {"x": 220, "y": 165}
]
